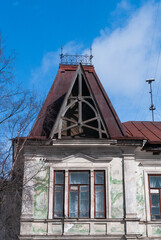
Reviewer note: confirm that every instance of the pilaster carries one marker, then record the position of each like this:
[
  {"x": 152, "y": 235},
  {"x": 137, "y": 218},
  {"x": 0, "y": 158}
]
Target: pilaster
[
  {"x": 27, "y": 210},
  {"x": 51, "y": 179},
  {"x": 130, "y": 211}
]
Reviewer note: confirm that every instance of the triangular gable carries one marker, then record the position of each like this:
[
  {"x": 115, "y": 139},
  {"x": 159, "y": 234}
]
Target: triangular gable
[
  {"x": 58, "y": 92},
  {"x": 79, "y": 157},
  {"x": 79, "y": 115}
]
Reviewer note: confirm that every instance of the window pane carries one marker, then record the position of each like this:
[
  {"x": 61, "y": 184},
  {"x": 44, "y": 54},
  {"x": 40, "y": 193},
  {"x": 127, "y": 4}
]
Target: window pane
[
  {"x": 58, "y": 215},
  {"x": 155, "y": 181},
  {"x": 155, "y": 200},
  {"x": 59, "y": 177},
  {"x": 59, "y": 188},
  {"x": 99, "y": 215},
  {"x": 79, "y": 178},
  {"x": 99, "y": 201},
  {"x": 155, "y": 210},
  {"x": 99, "y": 177},
  {"x": 99, "y": 187},
  {"x": 58, "y": 202},
  {"x": 156, "y": 217},
  {"x": 84, "y": 214},
  {"x": 59, "y": 194},
  {"x": 73, "y": 210},
  {"x": 84, "y": 203},
  {"x": 84, "y": 188}
]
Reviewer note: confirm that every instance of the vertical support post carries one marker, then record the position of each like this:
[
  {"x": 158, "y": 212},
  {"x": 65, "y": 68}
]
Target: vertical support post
[
  {"x": 66, "y": 195},
  {"x": 80, "y": 103},
  {"x": 59, "y": 129},
  {"x": 51, "y": 179},
  {"x": 130, "y": 194},
  {"x": 92, "y": 193},
  {"x": 130, "y": 186},
  {"x": 99, "y": 128}
]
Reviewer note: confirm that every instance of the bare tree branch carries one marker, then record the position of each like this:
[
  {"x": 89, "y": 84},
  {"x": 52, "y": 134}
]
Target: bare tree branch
[{"x": 18, "y": 110}]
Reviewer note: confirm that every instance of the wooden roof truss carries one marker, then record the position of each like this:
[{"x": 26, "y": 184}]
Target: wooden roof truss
[{"x": 79, "y": 115}]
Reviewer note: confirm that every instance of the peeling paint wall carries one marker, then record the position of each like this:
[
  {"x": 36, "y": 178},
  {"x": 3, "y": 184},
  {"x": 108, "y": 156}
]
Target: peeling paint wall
[
  {"x": 39, "y": 221},
  {"x": 116, "y": 227},
  {"x": 116, "y": 188},
  {"x": 156, "y": 230},
  {"x": 76, "y": 228},
  {"x": 41, "y": 183},
  {"x": 100, "y": 229},
  {"x": 39, "y": 228},
  {"x": 140, "y": 198}
]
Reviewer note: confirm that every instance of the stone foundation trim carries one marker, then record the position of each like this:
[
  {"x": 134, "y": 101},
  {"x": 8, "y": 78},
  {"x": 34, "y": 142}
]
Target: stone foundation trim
[{"x": 70, "y": 237}]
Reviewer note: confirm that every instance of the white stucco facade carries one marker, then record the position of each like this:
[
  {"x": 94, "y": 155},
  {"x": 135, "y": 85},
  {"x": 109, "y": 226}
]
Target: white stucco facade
[{"x": 126, "y": 167}]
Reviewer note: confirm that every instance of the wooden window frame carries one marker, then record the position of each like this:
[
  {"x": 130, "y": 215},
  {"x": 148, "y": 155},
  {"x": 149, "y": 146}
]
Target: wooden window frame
[
  {"x": 78, "y": 193},
  {"x": 149, "y": 175},
  {"x": 63, "y": 185},
  {"x": 104, "y": 198}
]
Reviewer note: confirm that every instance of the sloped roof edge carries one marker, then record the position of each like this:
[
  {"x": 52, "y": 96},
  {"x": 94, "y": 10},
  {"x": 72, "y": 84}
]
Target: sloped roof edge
[
  {"x": 148, "y": 130},
  {"x": 59, "y": 89}
]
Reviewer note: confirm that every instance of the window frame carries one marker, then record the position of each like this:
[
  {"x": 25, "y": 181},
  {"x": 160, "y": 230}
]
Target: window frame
[
  {"x": 89, "y": 185},
  {"x": 55, "y": 171},
  {"x": 151, "y": 175},
  {"x": 104, "y": 193}
]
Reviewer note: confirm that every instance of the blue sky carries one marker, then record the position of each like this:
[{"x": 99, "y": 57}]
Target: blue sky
[{"x": 125, "y": 37}]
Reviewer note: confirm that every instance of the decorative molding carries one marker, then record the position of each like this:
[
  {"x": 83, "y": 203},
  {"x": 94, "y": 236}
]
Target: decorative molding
[{"x": 83, "y": 156}]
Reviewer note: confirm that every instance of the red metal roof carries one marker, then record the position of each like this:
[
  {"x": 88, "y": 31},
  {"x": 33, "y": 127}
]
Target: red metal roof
[
  {"x": 147, "y": 130},
  {"x": 58, "y": 91}
]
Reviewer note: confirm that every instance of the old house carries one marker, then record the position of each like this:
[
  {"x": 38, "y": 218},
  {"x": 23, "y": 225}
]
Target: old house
[{"x": 86, "y": 174}]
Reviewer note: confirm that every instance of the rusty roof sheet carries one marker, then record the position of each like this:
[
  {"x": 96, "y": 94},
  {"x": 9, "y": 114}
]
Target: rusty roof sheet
[
  {"x": 150, "y": 131},
  {"x": 58, "y": 91}
]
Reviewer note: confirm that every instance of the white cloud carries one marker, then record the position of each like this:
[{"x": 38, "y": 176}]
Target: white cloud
[
  {"x": 122, "y": 57},
  {"x": 125, "y": 57},
  {"x": 44, "y": 74},
  {"x": 123, "y": 5}
]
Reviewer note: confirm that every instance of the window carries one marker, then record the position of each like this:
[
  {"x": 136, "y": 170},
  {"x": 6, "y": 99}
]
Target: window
[
  {"x": 77, "y": 187},
  {"x": 79, "y": 194},
  {"x": 155, "y": 196},
  {"x": 59, "y": 194},
  {"x": 99, "y": 187}
]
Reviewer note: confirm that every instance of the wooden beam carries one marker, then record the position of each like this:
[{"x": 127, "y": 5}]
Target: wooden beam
[
  {"x": 90, "y": 120},
  {"x": 80, "y": 103},
  {"x": 68, "y": 119},
  {"x": 99, "y": 127},
  {"x": 72, "y": 126}
]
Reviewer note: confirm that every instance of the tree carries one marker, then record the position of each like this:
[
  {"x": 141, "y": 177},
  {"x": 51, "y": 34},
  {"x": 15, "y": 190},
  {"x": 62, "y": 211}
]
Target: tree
[{"x": 18, "y": 110}]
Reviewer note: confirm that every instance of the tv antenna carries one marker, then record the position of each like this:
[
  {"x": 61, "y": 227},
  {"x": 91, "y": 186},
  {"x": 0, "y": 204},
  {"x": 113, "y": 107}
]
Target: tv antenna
[{"x": 151, "y": 108}]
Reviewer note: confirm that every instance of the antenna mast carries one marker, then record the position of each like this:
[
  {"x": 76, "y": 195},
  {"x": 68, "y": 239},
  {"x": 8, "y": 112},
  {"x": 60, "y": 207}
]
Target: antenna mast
[{"x": 151, "y": 108}]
